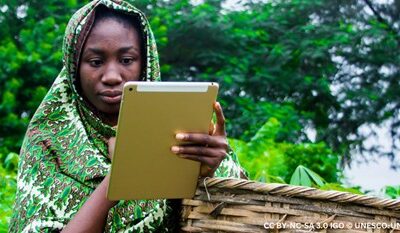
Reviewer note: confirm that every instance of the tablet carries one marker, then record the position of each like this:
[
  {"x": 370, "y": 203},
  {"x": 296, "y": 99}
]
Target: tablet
[{"x": 151, "y": 114}]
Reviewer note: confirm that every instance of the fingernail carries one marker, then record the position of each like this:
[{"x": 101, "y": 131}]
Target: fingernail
[
  {"x": 180, "y": 136},
  {"x": 175, "y": 149}
]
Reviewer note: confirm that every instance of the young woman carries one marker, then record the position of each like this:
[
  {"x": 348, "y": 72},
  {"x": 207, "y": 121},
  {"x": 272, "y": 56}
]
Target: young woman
[{"x": 65, "y": 157}]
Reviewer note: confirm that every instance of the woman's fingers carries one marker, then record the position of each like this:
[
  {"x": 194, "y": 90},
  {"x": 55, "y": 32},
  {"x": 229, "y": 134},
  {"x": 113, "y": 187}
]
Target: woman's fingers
[
  {"x": 199, "y": 151},
  {"x": 209, "y": 158},
  {"x": 203, "y": 139},
  {"x": 209, "y": 149},
  {"x": 220, "y": 126}
]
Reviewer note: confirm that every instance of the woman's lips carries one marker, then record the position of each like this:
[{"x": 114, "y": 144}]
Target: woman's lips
[
  {"x": 111, "y": 99},
  {"x": 111, "y": 96}
]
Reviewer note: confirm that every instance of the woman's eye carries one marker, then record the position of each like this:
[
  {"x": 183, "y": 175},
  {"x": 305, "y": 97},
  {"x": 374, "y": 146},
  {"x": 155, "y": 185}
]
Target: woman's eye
[
  {"x": 95, "y": 62},
  {"x": 126, "y": 61}
]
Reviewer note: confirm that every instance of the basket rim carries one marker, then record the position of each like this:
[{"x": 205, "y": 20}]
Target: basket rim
[{"x": 288, "y": 190}]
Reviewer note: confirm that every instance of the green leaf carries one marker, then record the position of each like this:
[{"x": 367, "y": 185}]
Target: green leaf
[
  {"x": 392, "y": 191},
  {"x": 305, "y": 177},
  {"x": 315, "y": 177},
  {"x": 295, "y": 180}
]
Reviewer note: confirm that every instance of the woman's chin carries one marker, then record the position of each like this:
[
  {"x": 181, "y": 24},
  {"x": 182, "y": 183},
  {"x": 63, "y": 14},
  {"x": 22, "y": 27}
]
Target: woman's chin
[
  {"x": 109, "y": 110},
  {"x": 109, "y": 107}
]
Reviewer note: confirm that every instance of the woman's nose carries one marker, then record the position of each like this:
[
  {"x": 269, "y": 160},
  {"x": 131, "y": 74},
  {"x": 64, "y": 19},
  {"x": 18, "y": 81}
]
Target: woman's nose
[{"x": 111, "y": 76}]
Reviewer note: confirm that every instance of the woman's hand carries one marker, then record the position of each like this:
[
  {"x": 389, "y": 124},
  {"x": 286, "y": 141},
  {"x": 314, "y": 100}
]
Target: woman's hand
[{"x": 209, "y": 149}]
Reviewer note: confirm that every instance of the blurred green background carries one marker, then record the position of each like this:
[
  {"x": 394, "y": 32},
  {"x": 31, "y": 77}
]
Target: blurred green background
[{"x": 300, "y": 79}]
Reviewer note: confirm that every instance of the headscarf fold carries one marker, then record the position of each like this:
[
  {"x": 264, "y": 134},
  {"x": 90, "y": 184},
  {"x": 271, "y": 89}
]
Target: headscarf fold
[{"x": 64, "y": 155}]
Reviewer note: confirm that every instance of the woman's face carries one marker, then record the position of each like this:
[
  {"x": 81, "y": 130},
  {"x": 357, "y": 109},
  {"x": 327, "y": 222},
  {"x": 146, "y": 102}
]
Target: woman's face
[{"x": 111, "y": 56}]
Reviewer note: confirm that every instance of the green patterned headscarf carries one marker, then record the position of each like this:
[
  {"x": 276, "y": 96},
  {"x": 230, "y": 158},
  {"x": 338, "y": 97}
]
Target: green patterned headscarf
[{"x": 64, "y": 155}]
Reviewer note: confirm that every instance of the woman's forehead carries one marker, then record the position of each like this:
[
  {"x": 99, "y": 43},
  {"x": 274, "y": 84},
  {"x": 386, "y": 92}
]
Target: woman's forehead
[
  {"x": 111, "y": 27},
  {"x": 124, "y": 18},
  {"x": 114, "y": 35}
]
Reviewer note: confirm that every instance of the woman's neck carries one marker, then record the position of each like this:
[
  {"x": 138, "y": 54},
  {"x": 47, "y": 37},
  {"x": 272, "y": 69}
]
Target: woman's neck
[{"x": 109, "y": 120}]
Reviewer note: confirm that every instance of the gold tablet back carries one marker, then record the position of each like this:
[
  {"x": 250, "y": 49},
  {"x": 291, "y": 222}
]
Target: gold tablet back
[{"x": 151, "y": 113}]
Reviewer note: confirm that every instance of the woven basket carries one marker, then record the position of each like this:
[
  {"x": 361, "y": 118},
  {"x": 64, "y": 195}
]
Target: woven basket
[{"x": 232, "y": 205}]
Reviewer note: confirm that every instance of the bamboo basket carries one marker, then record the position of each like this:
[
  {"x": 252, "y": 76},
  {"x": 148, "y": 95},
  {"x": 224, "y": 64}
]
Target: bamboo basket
[{"x": 233, "y": 205}]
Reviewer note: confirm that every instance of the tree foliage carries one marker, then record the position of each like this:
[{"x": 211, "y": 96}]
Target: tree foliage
[
  {"x": 30, "y": 55},
  {"x": 334, "y": 64}
]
